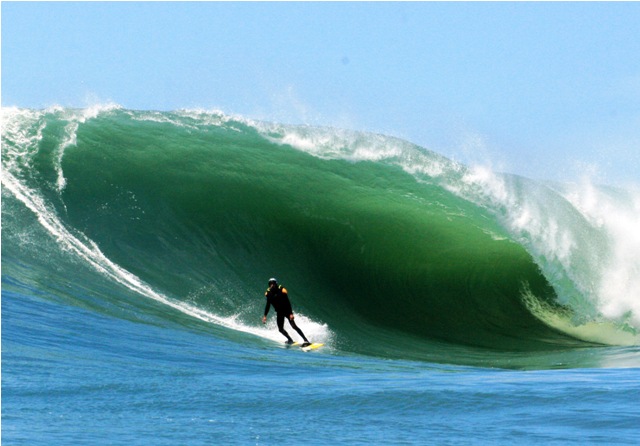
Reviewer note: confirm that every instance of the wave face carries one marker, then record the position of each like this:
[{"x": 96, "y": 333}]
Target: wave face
[{"x": 386, "y": 248}]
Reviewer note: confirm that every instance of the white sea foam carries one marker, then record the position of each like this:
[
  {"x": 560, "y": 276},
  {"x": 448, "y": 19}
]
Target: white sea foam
[
  {"x": 354, "y": 146},
  {"x": 581, "y": 232},
  {"x": 617, "y": 215}
]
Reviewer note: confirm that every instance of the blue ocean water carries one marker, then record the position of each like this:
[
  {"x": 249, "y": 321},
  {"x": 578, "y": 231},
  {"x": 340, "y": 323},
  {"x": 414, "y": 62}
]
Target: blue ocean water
[{"x": 458, "y": 305}]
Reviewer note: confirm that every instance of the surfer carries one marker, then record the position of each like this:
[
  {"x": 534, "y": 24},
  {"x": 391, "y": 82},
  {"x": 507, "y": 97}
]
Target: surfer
[{"x": 277, "y": 296}]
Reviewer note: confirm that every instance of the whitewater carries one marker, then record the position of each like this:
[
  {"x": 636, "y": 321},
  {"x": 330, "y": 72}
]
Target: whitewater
[{"x": 136, "y": 246}]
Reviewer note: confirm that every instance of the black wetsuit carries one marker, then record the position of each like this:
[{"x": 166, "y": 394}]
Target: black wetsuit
[{"x": 280, "y": 301}]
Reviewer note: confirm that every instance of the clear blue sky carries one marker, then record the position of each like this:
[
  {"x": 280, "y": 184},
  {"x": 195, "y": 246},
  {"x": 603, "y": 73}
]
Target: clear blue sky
[{"x": 541, "y": 89}]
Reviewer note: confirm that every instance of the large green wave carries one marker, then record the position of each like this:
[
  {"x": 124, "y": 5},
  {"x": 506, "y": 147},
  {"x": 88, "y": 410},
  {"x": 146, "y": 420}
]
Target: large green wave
[{"x": 205, "y": 208}]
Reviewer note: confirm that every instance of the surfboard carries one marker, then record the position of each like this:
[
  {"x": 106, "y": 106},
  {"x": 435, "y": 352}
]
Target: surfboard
[{"x": 312, "y": 346}]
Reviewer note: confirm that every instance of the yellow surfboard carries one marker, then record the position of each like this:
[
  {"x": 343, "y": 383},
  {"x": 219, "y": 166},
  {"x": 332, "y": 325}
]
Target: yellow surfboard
[{"x": 312, "y": 346}]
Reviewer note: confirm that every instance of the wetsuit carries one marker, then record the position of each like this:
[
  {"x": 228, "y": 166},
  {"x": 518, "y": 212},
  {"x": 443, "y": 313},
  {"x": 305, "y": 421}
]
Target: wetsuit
[{"x": 280, "y": 301}]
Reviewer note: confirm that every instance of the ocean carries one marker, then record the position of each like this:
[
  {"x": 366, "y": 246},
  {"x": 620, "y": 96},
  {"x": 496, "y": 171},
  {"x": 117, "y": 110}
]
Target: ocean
[{"x": 457, "y": 305}]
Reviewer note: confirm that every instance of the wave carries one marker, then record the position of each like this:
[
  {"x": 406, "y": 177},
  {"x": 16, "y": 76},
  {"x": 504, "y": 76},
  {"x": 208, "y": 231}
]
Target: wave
[{"x": 386, "y": 247}]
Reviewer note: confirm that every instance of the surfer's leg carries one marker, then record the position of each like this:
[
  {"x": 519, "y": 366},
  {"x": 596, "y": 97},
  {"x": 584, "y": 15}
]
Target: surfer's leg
[
  {"x": 296, "y": 328},
  {"x": 281, "y": 329}
]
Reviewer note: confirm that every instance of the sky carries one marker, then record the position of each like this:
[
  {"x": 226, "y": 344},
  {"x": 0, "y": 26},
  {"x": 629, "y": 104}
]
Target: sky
[{"x": 546, "y": 90}]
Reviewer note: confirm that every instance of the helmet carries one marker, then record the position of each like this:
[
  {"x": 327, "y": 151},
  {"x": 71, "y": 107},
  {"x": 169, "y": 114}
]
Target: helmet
[{"x": 272, "y": 280}]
